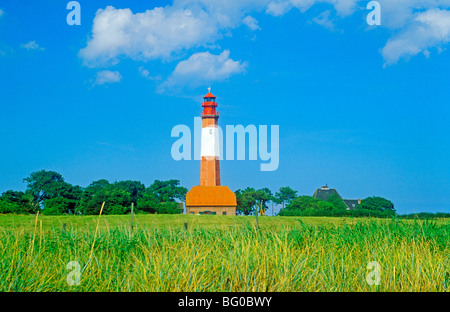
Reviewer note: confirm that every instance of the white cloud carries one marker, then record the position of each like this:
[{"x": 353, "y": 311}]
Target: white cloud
[
  {"x": 344, "y": 7},
  {"x": 107, "y": 76},
  {"x": 251, "y": 23},
  {"x": 225, "y": 14},
  {"x": 399, "y": 13},
  {"x": 169, "y": 32},
  {"x": 428, "y": 29},
  {"x": 420, "y": 24},
  {"x": 280, "y": 7},
  {"x": 162, "y": 32},
  {"x": 146, "y": 74},
  {"x": 153, "y": 34},
  {"x": 32, "y": 45},
  {"x": 204, "y": 68}
]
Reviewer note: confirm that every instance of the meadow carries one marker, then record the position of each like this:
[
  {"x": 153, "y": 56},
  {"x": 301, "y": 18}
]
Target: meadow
[{"x": 222, "y": 253}]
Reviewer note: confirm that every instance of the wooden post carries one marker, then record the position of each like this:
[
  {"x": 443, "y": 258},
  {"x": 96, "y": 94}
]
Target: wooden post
[
  {"x": 256, "y": 215},
  {"x": 185, "y": 226},
  {"x": 132, "y": 212}
]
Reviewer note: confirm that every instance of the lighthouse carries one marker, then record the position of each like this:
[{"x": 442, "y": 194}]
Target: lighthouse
[
  {"x": 210, "y": 197},
  {"x": 210, "y": 165}
]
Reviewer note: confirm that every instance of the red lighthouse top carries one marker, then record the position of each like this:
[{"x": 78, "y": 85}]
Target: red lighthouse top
[
  {"x": 209, "y": 95},
  {"x": 209, "y": 105}
]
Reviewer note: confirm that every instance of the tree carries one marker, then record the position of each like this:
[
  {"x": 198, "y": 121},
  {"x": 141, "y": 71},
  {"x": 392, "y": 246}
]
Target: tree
[
  {"x": 246, "y": 200},
  {"x": 117, "y": 200},
  {"x": 166, "y": 191},
  {"x": 135, "y": 188},
  {"x": 58, "y": 206},
  {"x": 44, "y": 185},
  {"x": 161, "y": 197},
  {"x": 147, "y": 203},
  {"x": 285, "y": 195},
  {"x": 337, "y": 202},
  {"x": 167, "y": 208},
  {"x": 302, "y": 203},
  {"x": 98, "y": 185},
  {"x": 7, "y": 206},
  {"x": 15, "y": 202},
  {"x": 307, "y": 205},
  {"x": 334, "y": 206},
  {"x": 263, "y": 196},
  {"x": 378, "y": 204}
]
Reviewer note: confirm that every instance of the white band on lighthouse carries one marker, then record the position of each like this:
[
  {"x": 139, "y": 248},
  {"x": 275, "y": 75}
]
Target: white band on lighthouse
[{"x": 210, "y": 142}]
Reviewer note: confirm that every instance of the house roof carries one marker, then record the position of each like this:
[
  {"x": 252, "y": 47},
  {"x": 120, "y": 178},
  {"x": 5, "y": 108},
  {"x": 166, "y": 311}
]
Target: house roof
[
  {"x": 210, "y": 196},
  {"x": 325, "y": 192},
  {"x": 351, "y": 203}
]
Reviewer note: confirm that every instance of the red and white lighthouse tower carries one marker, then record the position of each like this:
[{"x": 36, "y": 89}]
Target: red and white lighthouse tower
[
  {"x": 210, "y": 164},
  {"x": 210, "y": 197}
]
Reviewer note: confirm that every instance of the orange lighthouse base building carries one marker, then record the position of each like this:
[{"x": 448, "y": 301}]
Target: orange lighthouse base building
[{"x": 210, "y": 197}]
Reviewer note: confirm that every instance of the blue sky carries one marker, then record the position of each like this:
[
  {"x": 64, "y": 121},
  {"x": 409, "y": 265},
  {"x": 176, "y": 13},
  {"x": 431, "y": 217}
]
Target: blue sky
[{"x": 361, "y": 108}]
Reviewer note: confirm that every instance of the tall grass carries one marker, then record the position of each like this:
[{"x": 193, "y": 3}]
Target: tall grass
[{"x": 282, "y": 257}]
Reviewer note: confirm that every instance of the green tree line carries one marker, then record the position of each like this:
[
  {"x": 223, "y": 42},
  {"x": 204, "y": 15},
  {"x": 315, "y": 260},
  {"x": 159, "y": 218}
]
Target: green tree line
[
  {"x": 48, "y": 192},
  {"x": 249, "y": 201},
  {"x": 334, "y": 206}
]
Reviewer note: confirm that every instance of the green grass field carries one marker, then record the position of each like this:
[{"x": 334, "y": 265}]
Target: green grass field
[{"x": 222, "y": 253}]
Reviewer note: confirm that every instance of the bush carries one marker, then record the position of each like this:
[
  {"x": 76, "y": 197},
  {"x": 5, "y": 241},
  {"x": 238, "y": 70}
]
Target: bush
[
  {"x": 425, "y": 215},
  {"x": 310, "y": 206},
  {"x": 151, "y": 206},
  {"x": 335, "y": 207},
  {"x": 378, "y": 204},
  {"x": 117, "y": 201},
  {"x": 14, "y": 202},
  {"x": 9, "y": 207},
  {"x": 168, "y": 207},
  {"x": 58, "y": 206},
  {"x": 361, "y": 212},
  {"x": 116, "y": 210},
  {"x": 337, "y": 202}
]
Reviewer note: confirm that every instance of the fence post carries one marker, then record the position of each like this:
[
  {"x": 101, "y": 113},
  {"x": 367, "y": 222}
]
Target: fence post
[
  {"x": 132, "y": 212},
  {"x": 256, "y": 215}
]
